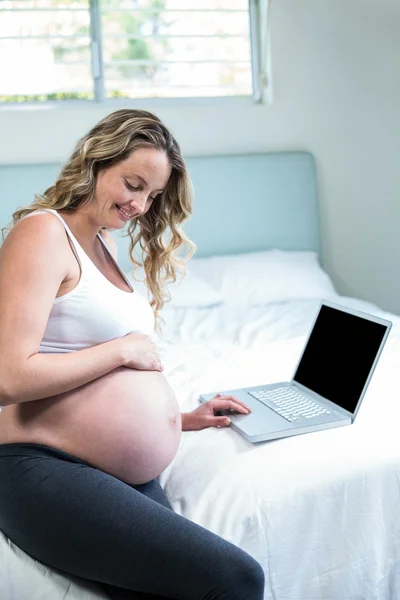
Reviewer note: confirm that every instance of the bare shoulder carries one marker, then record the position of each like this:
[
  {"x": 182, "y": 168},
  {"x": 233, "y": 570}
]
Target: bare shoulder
[
  {"x": 38, "y": 234},
  {"x": 110, "y": 241},
  {"x": 40, "y": 225}
]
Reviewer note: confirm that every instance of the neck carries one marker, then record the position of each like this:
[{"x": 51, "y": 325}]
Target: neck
[{"x": 82, "y": 225}]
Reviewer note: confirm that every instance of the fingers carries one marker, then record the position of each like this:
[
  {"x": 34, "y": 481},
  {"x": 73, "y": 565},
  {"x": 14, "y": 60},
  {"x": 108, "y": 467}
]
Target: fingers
[
  {"x": 221, "y": 422},
  {"x": 227, "y": 396},
  {"x": 230, "y": 403}
]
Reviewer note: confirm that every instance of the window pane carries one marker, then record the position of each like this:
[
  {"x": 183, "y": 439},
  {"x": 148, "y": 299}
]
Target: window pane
[
  {"x": 179, "y": 4},
  {"x": 20, "y": 75},
  {"x": 175, "y": 49},
  {"x": 175, "y": 23},
  {"x": 45, "y": 54},
  {"x": 43, "y": 4},
  {"x": 155, "y": 81},
  {"x": 157, "y": 33},
  {"x": 44, "y": 22}
]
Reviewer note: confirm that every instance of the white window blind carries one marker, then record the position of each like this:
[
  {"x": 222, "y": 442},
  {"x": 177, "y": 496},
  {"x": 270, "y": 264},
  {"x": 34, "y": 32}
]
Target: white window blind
[{"x": 98, "y": 50}]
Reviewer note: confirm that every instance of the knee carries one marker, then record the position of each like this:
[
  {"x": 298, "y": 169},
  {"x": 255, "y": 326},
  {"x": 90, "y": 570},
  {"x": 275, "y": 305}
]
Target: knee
[
  {"x": 249, "y": 579},
  {"x": 240, "y": 578}
]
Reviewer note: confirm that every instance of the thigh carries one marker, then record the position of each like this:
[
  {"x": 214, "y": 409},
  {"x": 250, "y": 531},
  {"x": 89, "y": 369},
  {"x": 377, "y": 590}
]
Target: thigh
[
  {"x": 153, "y": 490},
  {"x": 85, "y": 522}
]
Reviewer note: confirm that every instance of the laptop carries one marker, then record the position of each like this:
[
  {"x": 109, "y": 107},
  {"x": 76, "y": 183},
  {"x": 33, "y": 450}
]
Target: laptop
[{"x": 328, "y": 384}]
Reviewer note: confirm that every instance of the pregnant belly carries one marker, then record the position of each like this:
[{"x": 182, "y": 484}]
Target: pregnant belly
[{"x": 126, "y": 423}]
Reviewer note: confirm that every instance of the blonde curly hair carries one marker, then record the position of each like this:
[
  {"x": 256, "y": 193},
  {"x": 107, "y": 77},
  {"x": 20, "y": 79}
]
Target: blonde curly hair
[{"x": 157, "y": 233}]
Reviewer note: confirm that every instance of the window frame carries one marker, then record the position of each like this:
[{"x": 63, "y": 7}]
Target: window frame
[{"x": 260, "y": 64}]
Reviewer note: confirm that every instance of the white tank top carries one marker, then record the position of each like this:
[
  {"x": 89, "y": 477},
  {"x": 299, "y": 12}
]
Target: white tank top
[{"x": 95, "y": 311}]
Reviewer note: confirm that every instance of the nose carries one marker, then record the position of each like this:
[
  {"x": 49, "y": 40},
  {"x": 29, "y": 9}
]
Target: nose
[{"x": 138, "y": 204}]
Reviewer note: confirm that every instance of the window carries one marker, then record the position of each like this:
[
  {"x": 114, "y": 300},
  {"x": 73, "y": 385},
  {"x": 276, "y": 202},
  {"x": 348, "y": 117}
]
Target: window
[{"x": 98, "y": 50}]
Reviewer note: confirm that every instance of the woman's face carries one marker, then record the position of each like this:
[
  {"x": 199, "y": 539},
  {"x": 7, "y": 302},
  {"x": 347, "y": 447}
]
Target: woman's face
[{"x": 127, "y": 189}]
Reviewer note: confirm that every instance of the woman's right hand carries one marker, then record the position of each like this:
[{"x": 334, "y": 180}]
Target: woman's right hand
[{"x": 139, "y": 352}]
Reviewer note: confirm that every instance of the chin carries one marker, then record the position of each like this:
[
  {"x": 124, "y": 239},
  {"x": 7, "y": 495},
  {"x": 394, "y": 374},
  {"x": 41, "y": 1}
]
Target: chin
[{"x": 116, "y": 224}]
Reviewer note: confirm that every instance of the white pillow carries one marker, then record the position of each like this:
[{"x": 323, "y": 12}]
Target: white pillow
[
  {"x": 258, "y": 278},
  {"x": 191, "y": 291}
]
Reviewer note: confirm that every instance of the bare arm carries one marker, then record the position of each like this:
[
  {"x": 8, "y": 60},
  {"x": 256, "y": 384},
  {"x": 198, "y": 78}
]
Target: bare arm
[{"x": 33, "y": 264}]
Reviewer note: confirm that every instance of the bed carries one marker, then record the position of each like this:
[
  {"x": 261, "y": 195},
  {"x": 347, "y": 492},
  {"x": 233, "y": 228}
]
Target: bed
[{"x": 318, "y": 511}]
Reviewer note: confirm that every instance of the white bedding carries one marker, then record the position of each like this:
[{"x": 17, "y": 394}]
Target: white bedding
[{"x": 320, "y": 512}]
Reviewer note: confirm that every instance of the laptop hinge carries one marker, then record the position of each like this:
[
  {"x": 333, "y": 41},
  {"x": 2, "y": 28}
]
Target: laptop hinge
[{"x": 327, "y": 403}]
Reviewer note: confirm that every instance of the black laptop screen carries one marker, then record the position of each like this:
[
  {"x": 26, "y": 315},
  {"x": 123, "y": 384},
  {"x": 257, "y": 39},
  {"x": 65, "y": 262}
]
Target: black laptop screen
[{"x": 339, "y": 356}]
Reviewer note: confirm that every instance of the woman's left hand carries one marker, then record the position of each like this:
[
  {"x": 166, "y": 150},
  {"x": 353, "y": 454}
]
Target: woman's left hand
[{"x": 207, "y": 415}]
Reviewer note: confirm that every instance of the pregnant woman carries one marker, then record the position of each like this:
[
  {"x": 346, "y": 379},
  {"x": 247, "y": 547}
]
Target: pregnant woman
[{"x": 88, "y": 420}]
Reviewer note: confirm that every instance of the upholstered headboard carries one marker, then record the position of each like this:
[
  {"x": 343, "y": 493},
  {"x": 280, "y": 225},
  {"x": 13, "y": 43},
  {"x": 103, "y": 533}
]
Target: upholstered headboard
[{"x": 243, "y": 202}]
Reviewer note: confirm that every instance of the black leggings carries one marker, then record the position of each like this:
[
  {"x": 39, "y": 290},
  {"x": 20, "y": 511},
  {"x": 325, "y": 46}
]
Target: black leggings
[{"x": 76, "y": 518}]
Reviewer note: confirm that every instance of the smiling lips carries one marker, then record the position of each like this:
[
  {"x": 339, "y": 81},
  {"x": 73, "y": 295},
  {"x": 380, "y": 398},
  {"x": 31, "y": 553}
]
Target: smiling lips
[{"x": 127, "y": 216}]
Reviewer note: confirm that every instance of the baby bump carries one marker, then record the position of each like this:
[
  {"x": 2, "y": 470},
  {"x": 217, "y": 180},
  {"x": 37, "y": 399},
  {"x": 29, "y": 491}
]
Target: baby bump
[{"x": 126, "y": 423}]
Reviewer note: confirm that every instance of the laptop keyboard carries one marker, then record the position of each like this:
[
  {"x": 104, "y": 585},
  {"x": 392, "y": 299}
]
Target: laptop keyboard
[{"x": 289, "y": 403}]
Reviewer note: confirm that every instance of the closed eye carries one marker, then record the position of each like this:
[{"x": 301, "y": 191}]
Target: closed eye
[
  {"x": 130, "y": 187},
  {"x": 138, "y": 188}
]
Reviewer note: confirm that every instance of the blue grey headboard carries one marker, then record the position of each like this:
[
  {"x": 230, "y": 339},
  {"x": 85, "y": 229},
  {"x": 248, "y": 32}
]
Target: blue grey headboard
[{"x": 242, "y": 203}]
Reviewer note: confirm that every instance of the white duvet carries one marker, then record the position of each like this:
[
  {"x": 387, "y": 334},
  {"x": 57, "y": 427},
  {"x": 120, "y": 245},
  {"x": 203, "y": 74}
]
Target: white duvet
[{"x": 320, "y": 512}]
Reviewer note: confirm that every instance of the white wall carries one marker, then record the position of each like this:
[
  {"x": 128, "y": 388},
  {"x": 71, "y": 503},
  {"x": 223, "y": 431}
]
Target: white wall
[{"x": 336, "y": 82}]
